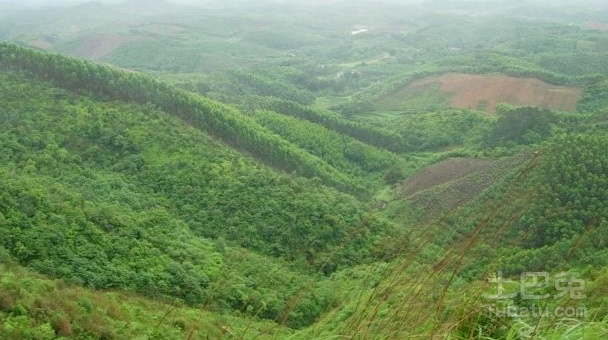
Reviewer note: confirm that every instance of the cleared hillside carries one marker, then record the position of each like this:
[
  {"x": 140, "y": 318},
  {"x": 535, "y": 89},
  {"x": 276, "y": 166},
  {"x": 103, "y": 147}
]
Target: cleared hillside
[
  {"x": 444, "y": 186},
  {"x": 484, "y": 92}
]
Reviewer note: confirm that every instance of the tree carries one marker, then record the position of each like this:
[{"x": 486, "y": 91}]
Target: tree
[{"x": 522, "y": 125}]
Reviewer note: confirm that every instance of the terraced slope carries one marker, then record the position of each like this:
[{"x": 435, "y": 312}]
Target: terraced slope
[{"x": 450, "y": 183}]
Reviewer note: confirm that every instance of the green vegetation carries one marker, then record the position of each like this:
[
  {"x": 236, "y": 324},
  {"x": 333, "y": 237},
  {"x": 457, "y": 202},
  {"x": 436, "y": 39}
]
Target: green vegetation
[
  {"x": 365, "y": 133},
  {"x": 214, "y": 118},
  {"x": 114, "y": 195},
  {"x": 32, "y": 307},
  {"x": 594, "y": 98},
  {"x": 342, "y": 152},
  {"x": 302, "y": 172},
  {"x": 524, "y": 125}
]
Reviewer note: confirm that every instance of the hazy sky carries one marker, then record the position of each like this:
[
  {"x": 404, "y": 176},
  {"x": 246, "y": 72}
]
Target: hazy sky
[
  {"x": 192, "y": 2},
  {"x": 602, "y": 3}
]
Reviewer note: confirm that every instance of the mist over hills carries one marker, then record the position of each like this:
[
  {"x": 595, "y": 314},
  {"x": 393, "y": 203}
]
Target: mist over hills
[{"x": 245, "y": 3}]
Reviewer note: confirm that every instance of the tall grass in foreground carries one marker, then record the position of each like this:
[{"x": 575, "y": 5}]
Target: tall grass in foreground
[{"x": 439, "y": 293}]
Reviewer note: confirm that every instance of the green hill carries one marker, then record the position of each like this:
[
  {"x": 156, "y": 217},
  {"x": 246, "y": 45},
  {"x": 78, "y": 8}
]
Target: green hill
[
  {"x": 221, "y": 121},
  {"x": 33, "y": 307},
  {"x": 105, "y": 192}
]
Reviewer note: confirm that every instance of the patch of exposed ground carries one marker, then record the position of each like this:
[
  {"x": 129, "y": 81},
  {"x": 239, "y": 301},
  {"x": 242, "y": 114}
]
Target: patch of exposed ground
[
  {"x": 42, "y": 44},
  {"x": 446, "y": 185},
  {"x": 100, "y": 45},
  {"x": 163, "y": 29},
  {"x": 598, "y": 25},
  {"x": 470, "y": 91}
]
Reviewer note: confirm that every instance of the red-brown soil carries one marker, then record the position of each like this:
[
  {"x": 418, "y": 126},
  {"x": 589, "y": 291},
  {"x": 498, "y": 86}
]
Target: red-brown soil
[
  {"x": 41, "y": 44},
  {"x": 450, "y": 183},
  {"x": 598, "y": 25},
  {"x": 470, "y": 91},
  {"x": 100, "y": 45}
]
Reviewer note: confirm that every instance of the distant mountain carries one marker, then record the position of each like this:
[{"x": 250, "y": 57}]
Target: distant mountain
[{"x": 147, "y": 5}]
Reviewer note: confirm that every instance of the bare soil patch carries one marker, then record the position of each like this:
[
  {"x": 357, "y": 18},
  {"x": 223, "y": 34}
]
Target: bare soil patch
[
  {"x": 598, "y": 25},
  {"x": 100, "y": 45},
  {"x": 41, "y": 44},
  {"x": 164, "y": 29},
  {"x": 470, "y": 91},
  {"x": 452, "y": 182}
]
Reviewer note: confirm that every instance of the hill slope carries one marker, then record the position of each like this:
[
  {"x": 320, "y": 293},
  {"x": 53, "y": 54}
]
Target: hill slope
[
  {"x": 218, "y": 120},
  {"x": 113, "y": 194},
  {"x": 33, "y": 307}
]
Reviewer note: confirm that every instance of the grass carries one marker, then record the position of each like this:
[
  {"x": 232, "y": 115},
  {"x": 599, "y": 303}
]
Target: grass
[
  {"x": 428, "y": 292},
  {"x": 32, "y": 306},
  {"x": 408, "y": 99}
]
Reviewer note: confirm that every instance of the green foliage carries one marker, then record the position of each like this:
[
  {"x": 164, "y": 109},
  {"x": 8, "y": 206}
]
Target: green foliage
[
  {"x": 153, "y": 54},
  {"x": 377, "y": 137},
  {"x": 412, "y": 100},
  {"x": 394, "y": 174},
  {"x": 342, "y": 152},
  {"x": 32, "y": 307},
  {"x": 575, "y": 64},
  {"x": 555, "y": 218},
  {"x": 524, "y": 125},
  {"x": 436, "y": 131},
  {"x": 574, "y": 190},
  {"x": 247, "y": 84},
  {"x": 354, "y": 107},
  {"x": 113, "y": 195},
  {"x": 218, "y": 120},
  {"x": 594, "y": 98},
  {"x": 278, "y": 39}
]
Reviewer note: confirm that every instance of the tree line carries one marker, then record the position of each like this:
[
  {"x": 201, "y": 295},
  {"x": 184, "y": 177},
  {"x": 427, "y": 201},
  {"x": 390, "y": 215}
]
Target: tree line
[{"x": 220, "y": 121}]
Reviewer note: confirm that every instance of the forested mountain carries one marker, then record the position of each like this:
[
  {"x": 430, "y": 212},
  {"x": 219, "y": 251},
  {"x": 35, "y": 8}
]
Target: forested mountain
[
  {"x": 302, "y": 171},
  {"x": 114, "y": 192}
]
